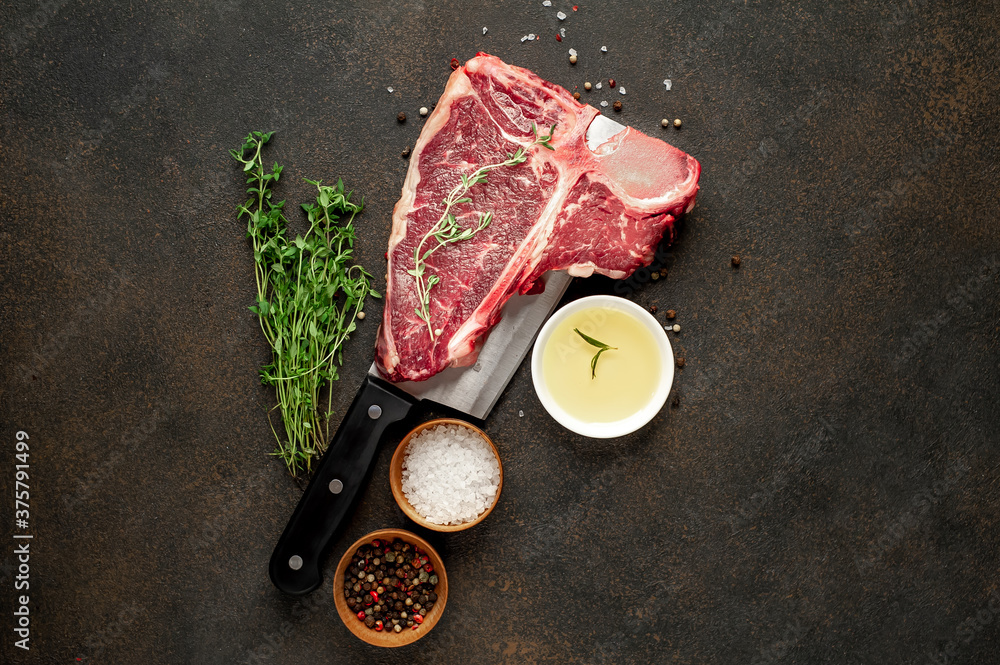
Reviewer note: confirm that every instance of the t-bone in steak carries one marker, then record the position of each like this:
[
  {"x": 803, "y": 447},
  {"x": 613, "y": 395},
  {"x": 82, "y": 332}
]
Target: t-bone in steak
[{"x": 569, "y": 208}]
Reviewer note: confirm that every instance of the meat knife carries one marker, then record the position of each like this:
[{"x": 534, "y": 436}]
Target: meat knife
[{"x": 343, "y": 472}]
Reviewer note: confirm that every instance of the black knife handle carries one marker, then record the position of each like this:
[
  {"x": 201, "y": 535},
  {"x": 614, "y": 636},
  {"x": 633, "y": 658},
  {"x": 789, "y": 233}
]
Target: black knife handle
[{"x": 331, "y": 495}]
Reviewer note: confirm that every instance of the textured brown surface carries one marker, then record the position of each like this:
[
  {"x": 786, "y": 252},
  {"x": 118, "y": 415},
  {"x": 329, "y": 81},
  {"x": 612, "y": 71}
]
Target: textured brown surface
[{"x": 826, "y": 488}]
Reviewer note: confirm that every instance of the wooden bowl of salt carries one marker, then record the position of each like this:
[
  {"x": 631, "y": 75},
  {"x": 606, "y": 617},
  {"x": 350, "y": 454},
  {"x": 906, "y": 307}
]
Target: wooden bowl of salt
[{"x": 468, "y": 444}]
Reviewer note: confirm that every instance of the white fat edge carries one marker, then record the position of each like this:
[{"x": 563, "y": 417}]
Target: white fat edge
[{"x": 458, "y": 86}]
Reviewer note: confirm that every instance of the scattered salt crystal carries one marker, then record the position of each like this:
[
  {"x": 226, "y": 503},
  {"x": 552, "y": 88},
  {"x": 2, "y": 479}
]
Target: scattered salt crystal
[
  {"x": 667, "y": 83},
  {"x": 604, "y": 103},
  {"x": 562, "y": 32},
  {"x": 572, "y": 51},
  {"x": 599, "y": 86},
  {"x": 531, "y": 37},
  {"x": 604, "y": 49},
  {"x": 621, "y": 91},
  {"x": 484, "y": 30},
  {"x": 450, "y": 474},
  {"x": 520, "y": 414},
  {"x": 524, "y": 39},
  {"x": 390, "y": 89},
  {"x": 561, "y": 16},
  {"x": 547, "y": 3}
]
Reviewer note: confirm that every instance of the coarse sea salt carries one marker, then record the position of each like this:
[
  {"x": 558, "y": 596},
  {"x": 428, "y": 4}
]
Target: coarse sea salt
[
  {"x": 561, "y": 16},
  {"x": 667, "y": 83},
  {"x": 572, "y": 51},
  {"x": 547, "y": 3},
  {"x": 450, "y": 474}
]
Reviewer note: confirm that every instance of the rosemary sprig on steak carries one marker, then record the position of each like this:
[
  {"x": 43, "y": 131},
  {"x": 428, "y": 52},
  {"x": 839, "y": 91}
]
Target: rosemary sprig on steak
[{"x": 446, "y": 229}]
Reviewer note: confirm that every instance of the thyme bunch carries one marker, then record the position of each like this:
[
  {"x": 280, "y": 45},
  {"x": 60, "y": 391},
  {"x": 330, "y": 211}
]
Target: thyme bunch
[{"x": 309, "y": 293}]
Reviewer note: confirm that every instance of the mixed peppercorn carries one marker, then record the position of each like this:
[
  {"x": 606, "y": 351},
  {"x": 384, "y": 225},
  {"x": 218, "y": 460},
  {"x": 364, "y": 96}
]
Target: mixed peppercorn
[{"x": 390, "y": 585}]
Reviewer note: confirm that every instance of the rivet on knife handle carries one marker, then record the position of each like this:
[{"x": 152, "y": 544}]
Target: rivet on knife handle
[{"x": 339, "y": 480}]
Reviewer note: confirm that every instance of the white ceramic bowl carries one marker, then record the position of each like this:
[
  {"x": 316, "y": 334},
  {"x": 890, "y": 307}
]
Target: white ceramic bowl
[{"x": 644, "y": 413}]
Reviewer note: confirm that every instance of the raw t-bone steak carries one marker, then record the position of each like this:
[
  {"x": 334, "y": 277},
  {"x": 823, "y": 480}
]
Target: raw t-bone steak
[{"x": 570, "y": 209}]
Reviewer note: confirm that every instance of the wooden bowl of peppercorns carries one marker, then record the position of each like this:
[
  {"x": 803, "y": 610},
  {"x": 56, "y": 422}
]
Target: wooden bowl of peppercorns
[{"x": 413, "y": 584}]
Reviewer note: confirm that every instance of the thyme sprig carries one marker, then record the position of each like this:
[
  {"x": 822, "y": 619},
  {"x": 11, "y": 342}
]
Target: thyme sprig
[
  {"x": 601, "y": 346},
  {"x": 446, "y": 230},
  {"x": 308, "y": 298}
]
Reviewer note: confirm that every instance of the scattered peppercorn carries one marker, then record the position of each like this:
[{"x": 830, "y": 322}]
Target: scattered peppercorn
[
  {"x": 406, "y": 152},
  {"x": 735, "y": 260},
  {"x": 671, "y": 313},
  {"x": 652, "y": 309},
  {"x": 423, "y": 110},
  {"x": 400, "y": 117},
  {"x": 677, "y": 328},
  {"x": 396, "y": 583},
  {"x": 455, "y": 63},
  {"x": 680, "y": 362},
  {"x": 572, "y": 59},
  {"x": 576, "y": 96},
  {"x": 655, "y": 275},
  {"x": 677, "y": 123},
  {"x": 676, "y": 401},
  {"x": 611, "y": 83},
  {"x": 617, "y": 106},
  {"x": 664, "y": 123},
  {"x": 361, "y": 315}
]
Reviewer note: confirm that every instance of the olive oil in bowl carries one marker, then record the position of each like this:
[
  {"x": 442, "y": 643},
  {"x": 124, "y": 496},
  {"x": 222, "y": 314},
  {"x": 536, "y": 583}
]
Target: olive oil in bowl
[{"x": 627, "y": 385}]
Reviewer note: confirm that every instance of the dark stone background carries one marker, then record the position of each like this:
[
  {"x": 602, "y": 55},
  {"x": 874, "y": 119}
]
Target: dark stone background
[{"x": 826, "y": 490}]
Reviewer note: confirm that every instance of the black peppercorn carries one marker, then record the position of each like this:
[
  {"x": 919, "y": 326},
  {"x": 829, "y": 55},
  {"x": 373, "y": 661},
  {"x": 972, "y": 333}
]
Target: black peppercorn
[
  {"x": 576, "y": 96},
  {"x": 735, "y": 261},
  {"x": 617, "y": 106},
  {"x": 401, "y": 117},
  {"x": 652, "y": 309}
]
